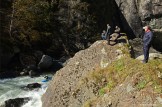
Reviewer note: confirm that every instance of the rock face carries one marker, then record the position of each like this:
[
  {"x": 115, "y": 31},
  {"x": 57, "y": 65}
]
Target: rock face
[
  {"x": 65, "y": 89},
  {"x": 138, "y": 13},
  {"x": 45, "y": 62},
  {"x": 129, "y": 14}
]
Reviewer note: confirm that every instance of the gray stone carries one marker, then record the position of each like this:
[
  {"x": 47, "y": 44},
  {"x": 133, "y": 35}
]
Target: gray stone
[
  {"x": 138, "y": 13},
  {"x": 151, "y": 56},
  {"x": 45, "y": 62}
]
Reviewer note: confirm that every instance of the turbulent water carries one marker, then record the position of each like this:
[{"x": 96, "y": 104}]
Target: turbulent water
[{"x": 11, "y": 88}]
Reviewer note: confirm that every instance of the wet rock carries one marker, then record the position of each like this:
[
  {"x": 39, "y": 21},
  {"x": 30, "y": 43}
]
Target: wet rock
[
  {"x": 32, "y": 86},
  {"x": 17, "y": 102}
]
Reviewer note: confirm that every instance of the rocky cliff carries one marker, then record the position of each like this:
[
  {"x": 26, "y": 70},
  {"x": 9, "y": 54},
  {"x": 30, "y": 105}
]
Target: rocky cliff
[
  {"x": 139, "y": 13},
  {"x": 105, "y": 75}
]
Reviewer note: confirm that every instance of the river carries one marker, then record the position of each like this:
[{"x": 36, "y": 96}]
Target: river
[{"x": 11, "y": 88}]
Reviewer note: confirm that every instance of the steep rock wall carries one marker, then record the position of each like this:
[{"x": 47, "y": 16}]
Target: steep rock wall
[{"x": 139, "y": 13}]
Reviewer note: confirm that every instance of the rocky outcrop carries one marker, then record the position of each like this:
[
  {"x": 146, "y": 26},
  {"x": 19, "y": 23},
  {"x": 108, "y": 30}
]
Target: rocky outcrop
[
  {"x": 64, "y": 90},
  {"x": 150, "y": 12},
  {"x": 138, "y": 13}
]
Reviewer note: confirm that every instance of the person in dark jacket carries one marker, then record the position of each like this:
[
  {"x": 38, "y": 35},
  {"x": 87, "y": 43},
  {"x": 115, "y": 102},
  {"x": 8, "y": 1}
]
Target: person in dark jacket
[{"x": 147, "y": 38}]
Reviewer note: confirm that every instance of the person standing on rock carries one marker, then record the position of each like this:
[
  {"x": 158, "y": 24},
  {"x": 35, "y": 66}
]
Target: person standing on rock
[
  {"x": 147, "y": 39},
  {"x": 108, "y": 33}
]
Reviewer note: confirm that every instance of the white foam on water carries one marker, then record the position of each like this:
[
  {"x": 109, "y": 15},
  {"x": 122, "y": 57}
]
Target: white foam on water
[
  {"x": 36, "y": 98},
  {"x": 11, "y": 88}
]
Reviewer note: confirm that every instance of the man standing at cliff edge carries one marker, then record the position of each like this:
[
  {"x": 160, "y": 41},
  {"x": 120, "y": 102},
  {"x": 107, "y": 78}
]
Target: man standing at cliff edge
[{"x": 147, "y": 39}]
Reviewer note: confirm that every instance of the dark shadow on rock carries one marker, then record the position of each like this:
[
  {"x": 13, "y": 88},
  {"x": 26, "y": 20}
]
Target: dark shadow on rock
[
  {"x": 121, "y": 41},
  {"x": 56, "y": 66},
  {"x": 157, "y": 41}
]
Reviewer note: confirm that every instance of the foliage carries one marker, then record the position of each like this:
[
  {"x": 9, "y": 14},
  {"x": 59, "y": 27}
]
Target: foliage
[
  {"x": 59, "y": 26},
  {"x": 32, "y": 23},
  {"x": 52, "y": 26}
]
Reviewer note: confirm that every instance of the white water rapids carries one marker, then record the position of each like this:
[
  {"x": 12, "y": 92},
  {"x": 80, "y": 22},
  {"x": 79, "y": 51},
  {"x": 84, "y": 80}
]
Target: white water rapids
[{"x": 11, "y": 88}]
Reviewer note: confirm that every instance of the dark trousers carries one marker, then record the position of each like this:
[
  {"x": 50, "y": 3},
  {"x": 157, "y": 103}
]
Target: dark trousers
[
  {"x": 108, "y": 39},
  {"x": 146, "y": 49}
]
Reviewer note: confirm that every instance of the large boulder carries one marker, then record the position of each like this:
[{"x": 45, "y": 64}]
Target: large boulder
[
  {"x": 45, "y": 62},
  {"x": 105, "y": 76},
  {"x": 63, "y": 88}
]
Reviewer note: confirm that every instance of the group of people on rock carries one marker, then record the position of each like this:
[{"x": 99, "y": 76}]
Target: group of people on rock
[
  {"x": 106, "y": 35},
  {"x": 147, "y": 39}
]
